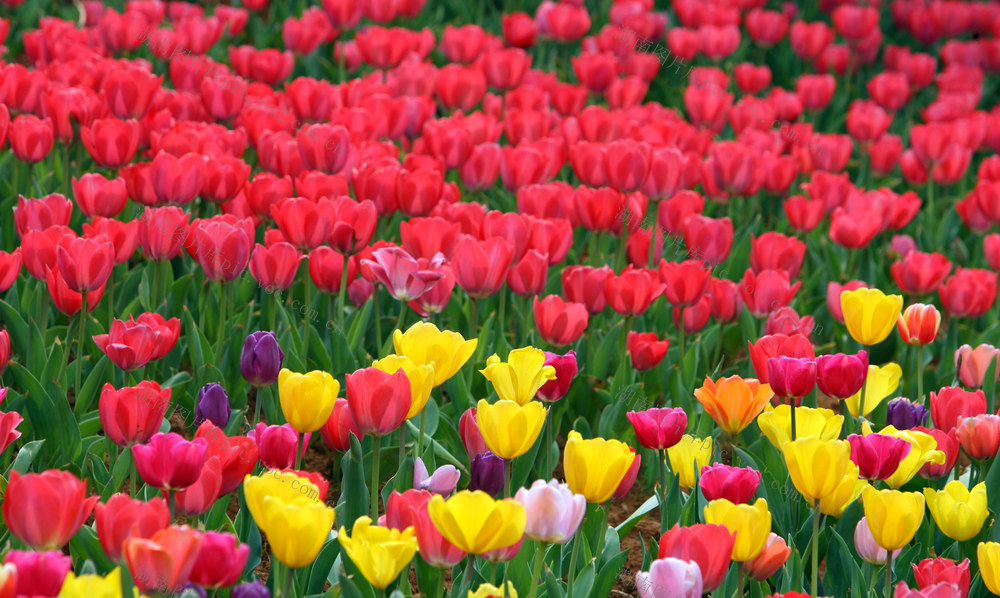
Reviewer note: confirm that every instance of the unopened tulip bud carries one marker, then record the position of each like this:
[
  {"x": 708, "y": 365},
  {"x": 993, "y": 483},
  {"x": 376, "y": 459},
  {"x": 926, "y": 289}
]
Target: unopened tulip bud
[
  {"x": 487, "y": 473},
  {"x": 212, "y": 405}
]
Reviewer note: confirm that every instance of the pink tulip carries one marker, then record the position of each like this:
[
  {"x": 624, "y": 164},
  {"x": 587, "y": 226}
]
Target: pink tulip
[
  {"x": 670, "y": 577},
  {"x": 973, "y": 363},
  {"x": 401, "y": 274},
  {"x": 443, "y": 481},
  {"x": 169, "y": 462},
  {"x": 554, "y": 511}
]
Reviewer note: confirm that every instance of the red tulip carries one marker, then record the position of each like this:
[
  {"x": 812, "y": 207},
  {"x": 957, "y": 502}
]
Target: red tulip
[
  {"x": 685, "y": 282},
  {"x": 803, "y": 214},
  {"x": 519, "y": 29},
  {"x": 695, "y": 317},
  {"x": 512, "y": 227},
  {"x": 929, "y": 572},
  {"x": 237, "y": 455},
  {"x": 919, "y": 324},
  {"x": 163, "y": 563},
  {"x": 266, "y": 190},
  {"x": 585, "y": 284},
  {"x": 841, "y": 375},
  {"x": 65, "y": 299},
  {"x": 480, "y": 267},
  {"x": 133, "y": 414},
  {"x": 947, "y": 442},
  {"x": 808, "y": 40},
  {"x": 199, "y": 497},
  {"x": 735, "y": 484},
  {"x": 633, "y": 291},
  {"x": 472, "y": 438},
  {"x": 4, "y": 351},
  {"x": 562, "y": 22},
  {"x": 774, "y": 345},
  {"x": 786, "y": 320},
  {"x": 646, "y": 350},
  {"x": 378, "y": 401},
  {"x": 765, "y": 292},
  {"x": 40, "y": 214},
  {"x": 877, "y": 456},
  {"x": 969, "y": 292},
  {"x": 775, "y": 251},
  {"x": 551, "y": 237},
  {"x": 162, "y": 232},
  {"x": 44, "y": 510},
  {"x": 352, "y": 225},
  {"x": 708, "y": 240},
  {"x": 98, "y": 196},
  {"x": 658, "y": 428},
  {"x": 337, "y": 430},
  {"x": 867, "y": 121},
  {"x": 733, "y": 166},
  {"x": 224, "y": 250},
  {"x": 326, "y": 267},
  {"x": 709, "y": 545},
  {"x": 920, "y": 273},
  {"x": 112, "y": 143},
  {"x": 791, "y": 377},
  {"x": 979, "y": 436},
  {"x": 220, "y": 561},
  {"x": 856, "y": 229},
  {"x": 674, "y": 212},
  {"x": 129, "y": 91},
  {"x": 169, "y": 462},
  {"x": 31, "y": 138},
  {"x": 275, "y": 267},
  {"x": 725, "y": 299},
  {"x": 628, "y": 480},
  {"x": 560, "y": 322},
  {"x": 766, "y": 27},
  {"x": 751, "y": 78},
  {"x": 528, "y": 276},
  {"x": 952, "y": 404},
  {"x": 883, "y": 154},
  {"x": 85, "y": 264}
]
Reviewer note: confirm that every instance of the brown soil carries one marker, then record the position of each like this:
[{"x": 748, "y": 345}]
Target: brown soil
[{"x": 648, "y": 527}]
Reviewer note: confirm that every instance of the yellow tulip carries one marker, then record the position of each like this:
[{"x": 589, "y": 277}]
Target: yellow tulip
[
  {"x": 476, "y": 523},
  {"x": 870, "y": 314},
  {"x": 923, "y": 450},
  {"x": 846, "y": 492},
  {"x": 688, "y": 456},
  {"x": 421, "y": 379},
  {"x": 92, "y": 586},
  {"x": 296, "y": 530},
  {"x": 425, "y": 344},
  {"x": 491, "y": 591},
  {"x": 881, "y": 382},
  {"x": 893, "y": 516},
  {"x": 509, "y": 429},
  {"x": 750, "y": 523},
  {"x": 988, "y": 555},
  {"x": 307, "y": 399},
  {"x": 733, "y": 402},
  {"x": 286, "y": 487},
  {"x": 520, "y": 377},
  {"x": 816, "y": 466},
  {"x": 959, "y": 514},
  {"x": 380, "y": 553},
  {"x": 595, "y": 467},
  {"x": 776, "y": 424}
]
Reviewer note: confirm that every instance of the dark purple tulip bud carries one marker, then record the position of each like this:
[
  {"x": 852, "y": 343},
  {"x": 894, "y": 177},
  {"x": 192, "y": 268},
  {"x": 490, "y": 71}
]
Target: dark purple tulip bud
[
  {"x": 487, "y": 474},
  {"x": 904, "y": 414},
  {"x": 213, "y": 405},
  {"x": 193, "y": 591},
  {"x": 566, "y": 369},
  {"x": 251, "y": 590},
  {"x": 260, "y": 361}
]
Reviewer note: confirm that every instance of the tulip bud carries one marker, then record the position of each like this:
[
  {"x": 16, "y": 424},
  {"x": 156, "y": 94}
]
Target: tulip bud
[
  {"x": 566, "y": 369},
  {"x": 443, "y": 481},
  {"x": 212, "y": 405},
  {"x": 919, "y": 324},
  {"x": 472, "y": 438},
  {"x": 772, "y": 558},
  {"x": 791, "y": 377},
  {"x": 737, "y": 485},
  {"x": 261, "y": 359},
  {"x": 865, "y": 544},
  {"x": 840, "y": 375},
  {"x": 5, "y": 350},
  {"x": 487, "y": 473},
  {"x": 904, "y": 414},
  {"x": 251, "y": 590},
  {"x": 979, "y": 436}
]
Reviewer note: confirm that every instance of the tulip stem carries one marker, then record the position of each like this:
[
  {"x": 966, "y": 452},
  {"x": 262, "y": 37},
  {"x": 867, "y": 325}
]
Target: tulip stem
[
  {"x": 539, "y": 563},
  {"x": 920, "y": 374},
  {"x": 507, "y": 471},
  {"x": 661, "y": 457},
  {"x": 341, "y": 294},
  {"x": 170, "y": 500},
  {"x": 306, "y": 324},
  {"x": 376, "y": 454},
  {"x": 402, "y": 444},
  {"x": 792, "y": 408},
  {"x": 79, "y": 347},
  {"x": 299, "y": 450},
  {"x": 600, "y": 539},
  {"x": 815, "y": 551},
  {"x": 861, "y": 404},
  {"x": 549, "y": 425},
  {"x": 222, "y": 327},
  {"x": 287, "y": 591},
  {"x": 572, "y": 564},
  {"x": 420, "y": 437},
  {"x": 888, "y": 574}
]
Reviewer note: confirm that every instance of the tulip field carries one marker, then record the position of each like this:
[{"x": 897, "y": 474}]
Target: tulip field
[{"x": 499, "y": 299}]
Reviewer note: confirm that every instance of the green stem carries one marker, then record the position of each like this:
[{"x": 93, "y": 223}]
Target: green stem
[
  {"x": 170, "y": 499},
  {"x": 306, "y": 324},
  {"x": 376, "y": 455},
  {"x": 661, "y": 458},
  {"x": 815, "y": 551},
  {"x": 792, "y": 406},
  {"x": 341, "y": 295},
  {"x": 507, "y": 471},
  {"x": 920, "y": 374},
  {"x": 572, "y": 564},
  {"x": 549, "y": 433},
  {"x": 740, "y": 580},
  {"x": 537, "y": 573},
  {"x": 222, "y": 327},
  {"x": 289, "y": 575},
  {"x": 402, "y": 443},
  {"x": 603, "y": 529},
  {"x": 299, "y": 449},
  {"x": 256, "y": 408},
  {"x": 378, "y": 316},
  {"x": 439, "y": 586},
  {"x": 420, "y": 438},
  {"x": 501, "y": 320},
  {"x": 79, "y": 347},
  {"x": 888, "y": 575}
]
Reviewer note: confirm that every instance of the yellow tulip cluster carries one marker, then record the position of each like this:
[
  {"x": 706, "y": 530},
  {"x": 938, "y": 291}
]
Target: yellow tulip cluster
[{"x": 296, "y": 523}]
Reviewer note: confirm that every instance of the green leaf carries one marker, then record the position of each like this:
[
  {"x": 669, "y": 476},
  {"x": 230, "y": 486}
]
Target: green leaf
[
  {"x": 89, "y": 392},
  {"x": 320, "y": 568},
  {"x": 49, "y": 419},
  {"x": 585, "y": 581},
  {"x": 27, "y": 455},
  {"x": 608, "y": 575},
  {"x": 354, "y": 500},
  {"x": 626, "y": 526},
  {"x": 85, "y": 544}
]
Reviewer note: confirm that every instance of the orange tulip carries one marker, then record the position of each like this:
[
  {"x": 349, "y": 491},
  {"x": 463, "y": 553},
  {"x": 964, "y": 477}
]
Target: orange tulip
[
  {"x": 734, "y": 402},
  {"x": 163, "y": 563}
]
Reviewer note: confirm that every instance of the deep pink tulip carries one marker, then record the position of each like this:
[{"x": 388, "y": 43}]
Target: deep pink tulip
[
  {"x": 877, "y": 455},
  {"x": 169, "y": 462},
  {"x": 841, "y": 375},
  {"x": 566, "y": 369},
  {"x": 472, "y": 438},
  {"x": 736, "y": 484},
  {"x": 276, "y": 445},
  {"x": 659, "y": 428},
  {"x": 791, "y": 377}
]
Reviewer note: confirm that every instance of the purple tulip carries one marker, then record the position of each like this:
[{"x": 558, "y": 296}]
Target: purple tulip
[
  {"x": 193, "y": 591},
  {"x": 487, "y": 473},
  {"x": 443, "y": 481},
  {"x": 251, "y": 590},
  {"x": 904, "y": 414},
  {"x": 261, "y": 359},
  {"x": 554, "y": 512},
  {"x": 566, "y": 369},
  {"x": 212, "y": 405}
]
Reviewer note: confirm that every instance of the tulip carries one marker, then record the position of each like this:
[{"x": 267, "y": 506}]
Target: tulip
[
  {"x": 864, "y": 544},
  {"x": 220, "y": 561},
  {"x": 285, "y": 487},
  {"x": 633, "y": 291},
  {"x": 421, "y": 379},
  {"x": 919, "y": 324},
  {"x": 791, "y": 377},
  {"x": 658, "y": 429},
  {"x": 443, "y": 481},
  {"x": 35, "y": 573},
  {"x": 379, "y": 401},
  {"x": 972, "y": 364},
  {"x": 123, "y": 517},
  {"x": 237, "y": 455},
  {"x": 336, "y": 431},
  {"x": 947, "y": 443},
  {"x": 424, "y": 343},
  {"x": 487, "y": 473},
  {"x": 92, "y": 586},
  {"x": 706, "y": 544},
  {"x": 951, "y": 404},
  {"x": 903, "y": 414},
  {"x": 595, "y": 467},
  {"x": 476, "y": 523},
  {"x": 307, "y": 399},
  {"x": 560, "y": 322},
  {"x": 133, "y": 414},
  {"x": 870, "y": 314},
  {"x": 772, "y": 558},
  {"x": 735, "y": 484},
  {"x": 510, "y": 429},
  {"x": 260, "y": 360},
  {"x": 689, "y": 456},
  {"x": 923, "y": 451},
  {"x": 553, "y": 511},
  {"x": 775, "y": 424},
  {"x": 750, "y": 523},
  {"x": 276, "y": 445},
  {"x": 816, "y": 466},
  {"x": 958, "y": 512},
  {"x": 646, "y": 350},
  {"x": 44, "y": 510},
  {"x": 931, "y": 572},
  {"x": 979, "y": 436},
  {"x": 877, "y": 455},
  {"x": 880, "y": 383},
  {"x": 988, "y": 557},
  {"x": 8, "y": 421},
  {"x": 163, "y": 563},
  {"x": 566, "y": 368},
  {"x": 733, "y": 402},
  {"x": 625, "y": 486},
  {"x": 488, "y": 590},
  {"x": 773, "y": 345},
  {"x": 169, "y": 462},
  {"x": 401, "y": 274},
  {"x": 250, "y": 590},
  {"x": 213, "y": 405},
  {"x": 85, "y": 264},
  {"x": 520, "y": 377},
  {"x": 297, "y": 529},
  {"x": 31, "y": 138},
  {"x": 893, "y": 516},
  {"x": 670, "y": 577},
  {"x": 274, "y": 268}
]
